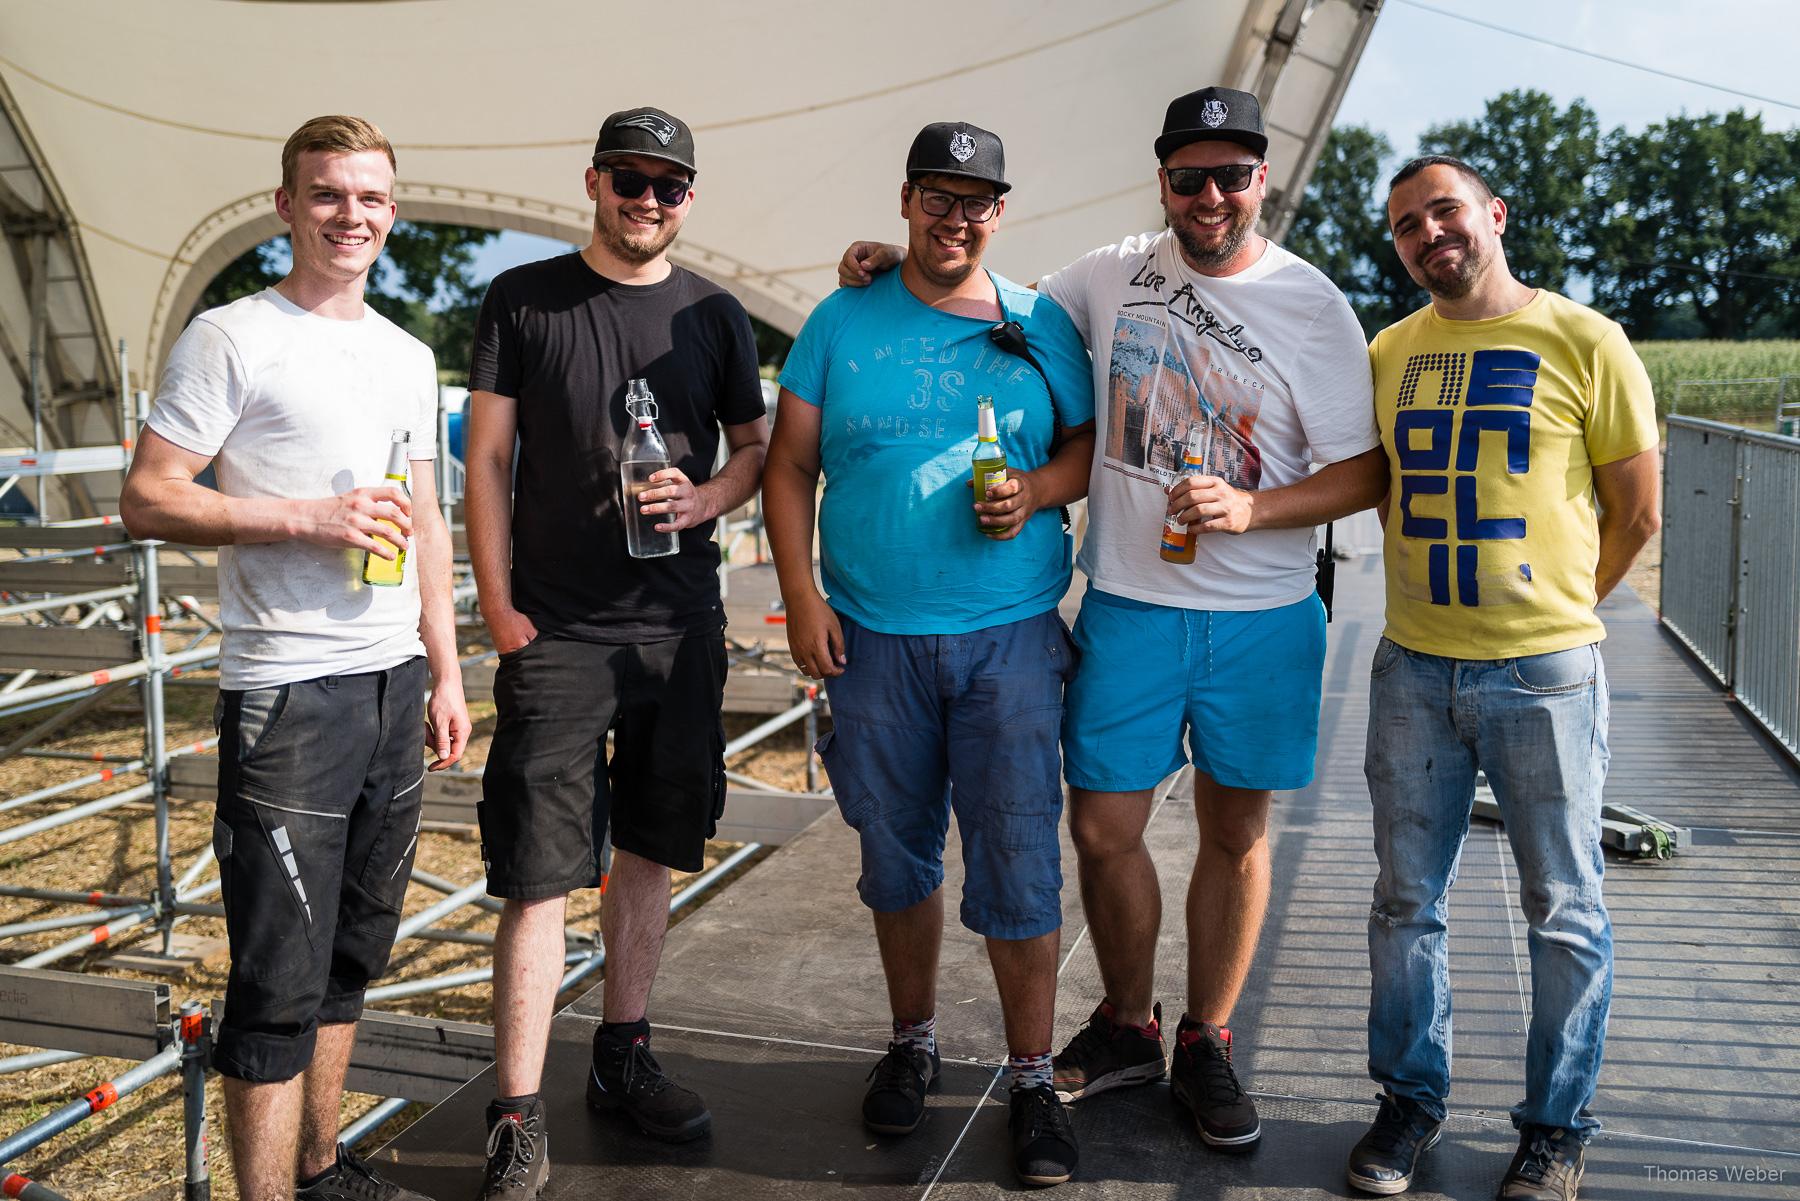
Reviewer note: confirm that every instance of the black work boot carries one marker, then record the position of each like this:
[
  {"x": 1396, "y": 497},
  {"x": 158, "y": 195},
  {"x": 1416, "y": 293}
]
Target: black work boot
[{"x": 626, "y": 1078}]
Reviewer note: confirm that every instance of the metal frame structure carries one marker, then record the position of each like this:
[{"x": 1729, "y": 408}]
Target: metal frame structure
[{"x": 1731, "y": 564}]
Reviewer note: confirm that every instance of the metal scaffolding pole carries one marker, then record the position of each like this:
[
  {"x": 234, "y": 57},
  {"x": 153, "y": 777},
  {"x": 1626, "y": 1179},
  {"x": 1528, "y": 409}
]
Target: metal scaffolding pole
[{"x": 156, "y": 751}]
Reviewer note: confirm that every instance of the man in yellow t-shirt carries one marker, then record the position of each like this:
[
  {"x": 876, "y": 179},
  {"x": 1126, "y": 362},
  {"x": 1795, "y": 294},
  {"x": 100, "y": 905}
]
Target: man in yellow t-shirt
[{"x": 1522, "y": 440}]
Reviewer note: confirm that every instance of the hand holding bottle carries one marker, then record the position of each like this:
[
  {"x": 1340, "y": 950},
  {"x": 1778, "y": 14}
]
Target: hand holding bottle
[
  {"x": 1207, "y": 504},
  {"x": 672, "y": 493}
]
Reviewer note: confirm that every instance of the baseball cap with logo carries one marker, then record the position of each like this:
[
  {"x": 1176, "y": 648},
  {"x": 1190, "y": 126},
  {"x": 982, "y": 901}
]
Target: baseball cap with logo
[
  {"x": 1213, "y": 115},
  {"x": 649, "y": 132},
  {"x": 958, "y": 148}
]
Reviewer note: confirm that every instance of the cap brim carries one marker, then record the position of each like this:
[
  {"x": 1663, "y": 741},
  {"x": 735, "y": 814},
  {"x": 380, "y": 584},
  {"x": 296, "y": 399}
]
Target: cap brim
[
  {"x": 667, "y": 158},
  {"x": 1000, "y": 186},
  {"x": 1169, "y": 143}
]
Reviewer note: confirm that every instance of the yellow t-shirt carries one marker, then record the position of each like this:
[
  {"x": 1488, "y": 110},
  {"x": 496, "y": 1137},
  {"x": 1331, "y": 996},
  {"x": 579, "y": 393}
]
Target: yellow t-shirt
[{"x": 1492, "y": 430}]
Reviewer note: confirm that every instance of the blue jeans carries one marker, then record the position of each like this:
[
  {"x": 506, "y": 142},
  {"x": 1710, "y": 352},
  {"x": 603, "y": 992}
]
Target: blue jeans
[{"x": 1537, "y": 726}]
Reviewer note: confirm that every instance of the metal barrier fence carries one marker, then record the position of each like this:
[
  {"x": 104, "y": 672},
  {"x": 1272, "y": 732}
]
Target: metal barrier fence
[
  {"x": 1765, "y": 402},
  {"x": 1731, "y": 563}
]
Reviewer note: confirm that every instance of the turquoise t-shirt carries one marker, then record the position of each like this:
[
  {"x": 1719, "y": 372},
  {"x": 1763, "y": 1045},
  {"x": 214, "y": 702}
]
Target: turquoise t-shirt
[{"x": 896, "y": 382}]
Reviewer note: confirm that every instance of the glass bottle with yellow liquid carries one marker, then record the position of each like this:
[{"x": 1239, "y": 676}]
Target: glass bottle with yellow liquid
[
  {"x": 388, "y": 573},
  {"x": 1179, "y": 541},
  {"x": 989, "y": 459}
]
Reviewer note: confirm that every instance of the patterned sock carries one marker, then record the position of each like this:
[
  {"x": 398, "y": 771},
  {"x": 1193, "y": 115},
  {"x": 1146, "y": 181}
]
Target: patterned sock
[
  {"x": 1029, "y": 1071},
  {"x": 922, "y": 1035}
]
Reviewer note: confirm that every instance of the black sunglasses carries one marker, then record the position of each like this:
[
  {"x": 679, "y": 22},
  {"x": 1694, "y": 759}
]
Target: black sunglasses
[
  {"x": 1191, "y": 181},
  {"x": 937, "y": 203},
  {"x": 629, "y": 185}
]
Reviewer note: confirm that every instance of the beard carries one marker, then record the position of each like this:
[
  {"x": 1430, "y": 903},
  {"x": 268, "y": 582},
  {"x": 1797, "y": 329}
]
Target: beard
[
  {"x": 1452, "y": 281},
  {"x": 628, "y": 242},
  {"x": 1200, "y": 255}
]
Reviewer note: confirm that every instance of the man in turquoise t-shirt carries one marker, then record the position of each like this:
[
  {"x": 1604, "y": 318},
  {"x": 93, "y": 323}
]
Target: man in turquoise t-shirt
[{"x": 940, "y": 642}]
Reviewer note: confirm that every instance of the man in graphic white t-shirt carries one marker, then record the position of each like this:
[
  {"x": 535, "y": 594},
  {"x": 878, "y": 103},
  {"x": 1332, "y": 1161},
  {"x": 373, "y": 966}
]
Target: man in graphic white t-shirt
[
  {"x": 295, "y": 396},
  {"x": 1233, "y": 415}
]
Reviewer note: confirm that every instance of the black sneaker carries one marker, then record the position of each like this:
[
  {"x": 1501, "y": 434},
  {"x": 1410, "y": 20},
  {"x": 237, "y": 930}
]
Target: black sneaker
[
  {"x": 351, "y": 1179},
  {"x": 1202, "y": 1079},
  {"x": 1043, "y": 1139},
  {"x": 518, "y": 1153},
  {"x": 1546, "y": 1167},
  {"x": 1104, "y": 1054},
  {"x": 1383, "y": 1160},
  {"x": 895, "y": 1102},
  {"x": 626, "y": 1078}
]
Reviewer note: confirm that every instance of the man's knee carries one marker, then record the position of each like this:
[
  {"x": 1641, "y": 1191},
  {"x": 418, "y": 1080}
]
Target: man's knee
[{"x": 1101, "y": 827}]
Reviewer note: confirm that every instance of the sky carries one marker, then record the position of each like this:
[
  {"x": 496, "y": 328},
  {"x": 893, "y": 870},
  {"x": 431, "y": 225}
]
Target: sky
[{"x": 1422, "y": 67}]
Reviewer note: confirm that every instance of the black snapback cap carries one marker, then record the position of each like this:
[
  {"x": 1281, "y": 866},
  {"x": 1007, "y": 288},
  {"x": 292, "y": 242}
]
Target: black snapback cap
[
  {"x": 649, "y": 132},
  {"x": 1213, "y": 115},
  {"x": 958, "y": 148}
]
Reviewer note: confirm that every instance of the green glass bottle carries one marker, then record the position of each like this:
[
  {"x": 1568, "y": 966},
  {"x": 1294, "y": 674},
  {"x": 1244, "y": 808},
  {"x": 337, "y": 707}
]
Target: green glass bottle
[{"x": 989, "y": 459}]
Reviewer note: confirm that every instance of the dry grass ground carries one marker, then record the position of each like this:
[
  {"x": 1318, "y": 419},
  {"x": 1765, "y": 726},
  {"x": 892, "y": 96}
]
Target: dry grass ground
[{"x": 134, "y": 1152}]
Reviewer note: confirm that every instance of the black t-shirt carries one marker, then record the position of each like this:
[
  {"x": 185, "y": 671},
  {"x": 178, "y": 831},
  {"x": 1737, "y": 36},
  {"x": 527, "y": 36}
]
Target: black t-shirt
[{"x": 563, "y": 342}]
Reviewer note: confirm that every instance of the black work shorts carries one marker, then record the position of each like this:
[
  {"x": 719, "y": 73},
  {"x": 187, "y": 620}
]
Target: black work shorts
[
  {"x": 544, "y": 803},
  {"x": 317, "y": 822}
]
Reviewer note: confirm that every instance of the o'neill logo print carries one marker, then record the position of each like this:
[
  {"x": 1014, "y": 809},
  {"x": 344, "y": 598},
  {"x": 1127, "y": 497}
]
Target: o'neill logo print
[
  {"x": 962, "y": 147},
  {"x": 1213, "y": 113},
  {"x": 663, "y": 131}
]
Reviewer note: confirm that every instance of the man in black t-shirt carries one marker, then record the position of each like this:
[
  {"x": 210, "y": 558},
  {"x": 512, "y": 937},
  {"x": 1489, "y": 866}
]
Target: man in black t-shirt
[{"x": 591, "y": 639}]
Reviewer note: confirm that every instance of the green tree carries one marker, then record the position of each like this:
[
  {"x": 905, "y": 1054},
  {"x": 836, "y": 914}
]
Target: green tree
[
  {"x": 1699, "y": 215},
  {"x": 424, "y": 282},
  {"x": 1341, "y": 227},
  {"x": 1540, "y": 161}
]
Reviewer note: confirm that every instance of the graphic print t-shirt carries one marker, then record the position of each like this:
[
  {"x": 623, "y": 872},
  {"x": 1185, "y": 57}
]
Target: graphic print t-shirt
[
  {"x": 896, "y": 383},
  {"x": 1269, "y": 364},
  {"x": 1493, "y": 429},
  {"x": 564, "y": 342}
]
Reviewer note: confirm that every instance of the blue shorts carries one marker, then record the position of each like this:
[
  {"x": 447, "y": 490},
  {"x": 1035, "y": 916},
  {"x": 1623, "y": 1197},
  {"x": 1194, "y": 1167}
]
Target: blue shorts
[
  {"x": 1243, "y": 686},
  {"x": 926, "y": 723}
]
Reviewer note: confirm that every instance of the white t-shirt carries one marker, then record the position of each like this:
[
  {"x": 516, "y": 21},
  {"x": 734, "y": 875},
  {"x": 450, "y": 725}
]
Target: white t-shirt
[
  {"x": 1272, "y": 366},
  {"x": 290, "y": 404}
]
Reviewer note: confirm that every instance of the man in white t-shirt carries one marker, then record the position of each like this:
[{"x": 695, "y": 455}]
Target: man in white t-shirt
[
  {"x": 1234, "y": 414},
  {"x": 295, "y": 396}
]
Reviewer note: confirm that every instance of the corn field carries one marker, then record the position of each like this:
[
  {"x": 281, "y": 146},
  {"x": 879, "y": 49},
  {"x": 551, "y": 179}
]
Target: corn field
[{"x": 1742, "y": 385}]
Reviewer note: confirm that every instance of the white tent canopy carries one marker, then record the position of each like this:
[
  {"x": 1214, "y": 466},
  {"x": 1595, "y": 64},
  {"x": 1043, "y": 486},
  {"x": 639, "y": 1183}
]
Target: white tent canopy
[{"x": 140, "y": 142}]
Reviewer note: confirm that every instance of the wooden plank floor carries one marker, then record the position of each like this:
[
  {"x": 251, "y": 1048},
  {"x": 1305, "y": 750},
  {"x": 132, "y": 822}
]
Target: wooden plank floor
[{"x": 770, "y": 1001}]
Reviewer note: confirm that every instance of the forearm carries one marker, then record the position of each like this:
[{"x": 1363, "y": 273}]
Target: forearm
[
  {"x": 1064, "y": 479},
  {"x": 1622, "y": 536},
  {"x": 734, "y": 483},
  {"x": 432, "y": 552},
  {"x": 1334, "y": 491},
  {"x": 488, "y": 510},
  {"x": 789, "y": 509},
  {"x": 183, "y": 511}
]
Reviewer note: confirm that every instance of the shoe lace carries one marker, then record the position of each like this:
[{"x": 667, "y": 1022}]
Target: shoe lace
[
  {"x": 510, "y": 1152},
  {"x": 1390, "y": 1128},
  {"x": 642, "y": 1076},
  {"x": 895, "y": 1070},
  {"x": 1540, "y": 1157},
  {"x": 356, "y": 1177},
  {"x": 1091, "y": 1039},
  {"x": 1045, "y": 1117},
  {"x": 1216, "y": 1073}
]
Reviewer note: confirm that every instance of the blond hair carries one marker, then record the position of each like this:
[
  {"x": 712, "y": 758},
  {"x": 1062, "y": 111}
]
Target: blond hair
[{"x": 336, "y": 135}]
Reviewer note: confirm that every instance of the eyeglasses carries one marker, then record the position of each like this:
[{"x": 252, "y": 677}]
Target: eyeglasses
[
  {"x": 938, "y": 203},
  {"x": 1191, "y": 181},
  {"x": 629, "y": 185}
]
